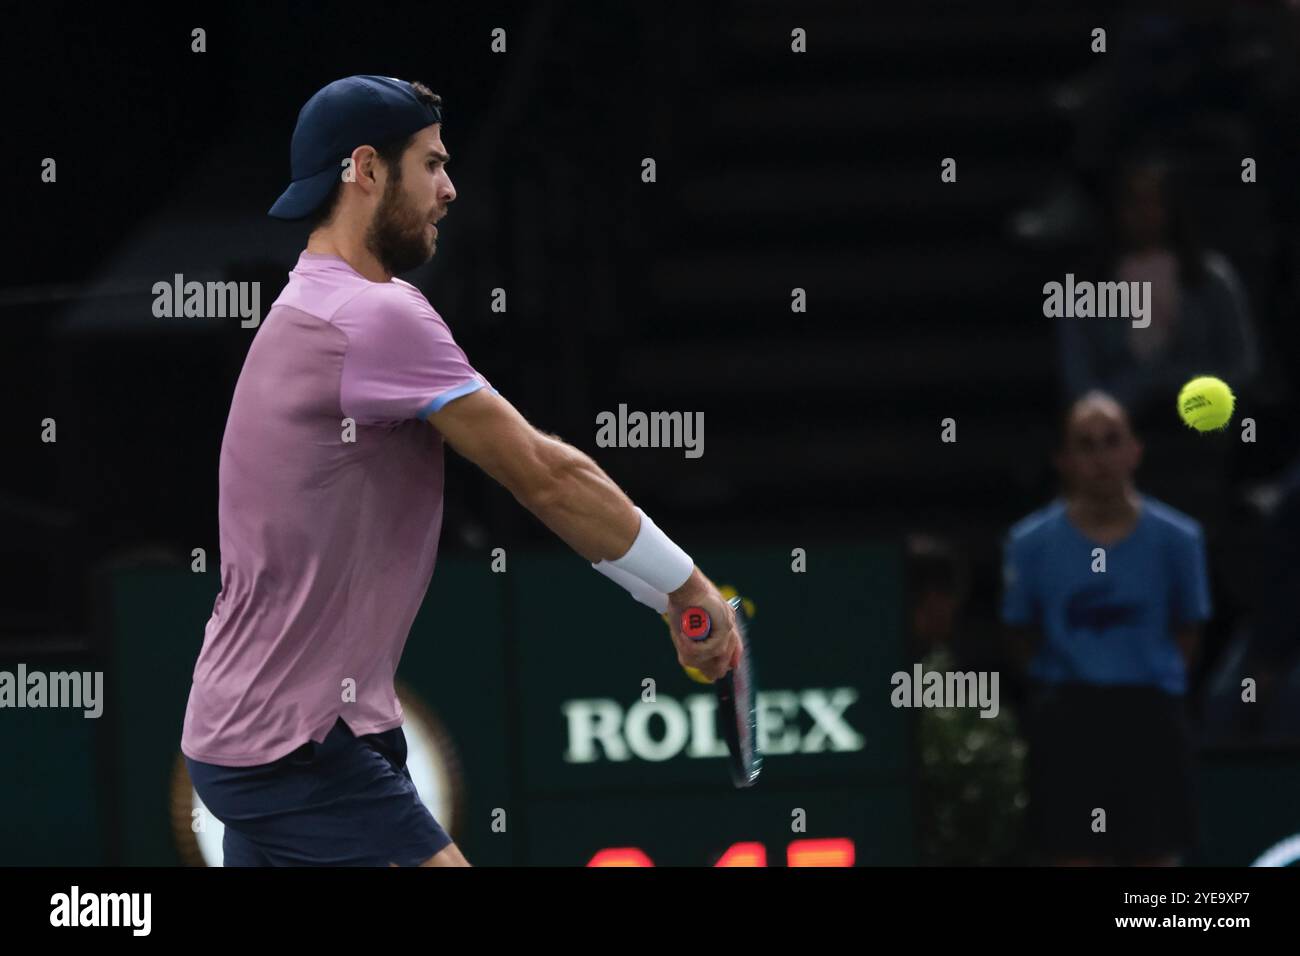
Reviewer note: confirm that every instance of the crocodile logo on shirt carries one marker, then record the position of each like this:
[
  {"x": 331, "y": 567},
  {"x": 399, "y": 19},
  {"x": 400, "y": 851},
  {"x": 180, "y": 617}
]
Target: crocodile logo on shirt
[{"x": 1095, "y": 609}]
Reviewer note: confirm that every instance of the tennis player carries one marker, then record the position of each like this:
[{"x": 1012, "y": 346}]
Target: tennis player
[{"x": 331, "y": 491}]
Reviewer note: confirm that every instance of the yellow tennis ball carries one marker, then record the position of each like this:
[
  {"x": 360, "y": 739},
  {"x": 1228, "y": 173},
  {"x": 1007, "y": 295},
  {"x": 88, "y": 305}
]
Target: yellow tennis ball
[{"x": 1206, "y": 403}]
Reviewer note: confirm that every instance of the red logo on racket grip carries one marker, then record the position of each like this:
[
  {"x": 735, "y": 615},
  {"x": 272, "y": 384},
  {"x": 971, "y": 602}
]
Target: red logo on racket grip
[{"x": 696, "y": 623}]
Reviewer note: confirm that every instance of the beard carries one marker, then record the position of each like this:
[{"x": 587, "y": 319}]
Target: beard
[{"x": 396, "y": 236}]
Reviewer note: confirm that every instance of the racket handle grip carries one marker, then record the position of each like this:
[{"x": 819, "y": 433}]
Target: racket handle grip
[{"x": 696, "y": 622}]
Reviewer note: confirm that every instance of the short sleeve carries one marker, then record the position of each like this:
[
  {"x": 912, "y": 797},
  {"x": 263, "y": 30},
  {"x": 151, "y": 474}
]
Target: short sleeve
[
  {"x": 1191, "y": 579},
  {"x": 1018, "y": 604},
  {"x": 401, "y": 361}
]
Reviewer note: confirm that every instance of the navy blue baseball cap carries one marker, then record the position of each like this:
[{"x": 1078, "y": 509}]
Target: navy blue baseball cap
[{"x": 348, "y": 113}]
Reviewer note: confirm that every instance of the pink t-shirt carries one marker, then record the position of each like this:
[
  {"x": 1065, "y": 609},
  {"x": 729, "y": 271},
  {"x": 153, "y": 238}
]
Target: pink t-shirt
[{"x": 327, "y": 539}]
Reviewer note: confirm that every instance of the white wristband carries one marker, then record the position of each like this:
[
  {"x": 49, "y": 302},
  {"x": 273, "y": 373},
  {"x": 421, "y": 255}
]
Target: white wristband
[
  {"x": 655, "y": 559},
  {"x": 655, "y": 600}
]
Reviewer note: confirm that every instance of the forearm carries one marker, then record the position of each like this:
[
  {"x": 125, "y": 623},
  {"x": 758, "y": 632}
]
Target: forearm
[
  {"x": 586, "y": 509},
  {"x": 571, "y": 495},
  {"x": 582, "y": 504}
]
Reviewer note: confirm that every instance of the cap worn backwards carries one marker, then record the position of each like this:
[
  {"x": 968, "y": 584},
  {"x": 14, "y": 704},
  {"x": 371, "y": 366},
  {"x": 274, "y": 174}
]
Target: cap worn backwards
[{"x": 337, "y": 119}]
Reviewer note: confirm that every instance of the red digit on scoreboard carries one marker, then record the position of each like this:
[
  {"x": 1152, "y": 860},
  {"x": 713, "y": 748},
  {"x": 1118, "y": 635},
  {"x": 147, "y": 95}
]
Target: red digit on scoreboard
[
  {"x": 621, "y": 856},
  {"x": 744, "y": 854},
  {"x": 835, "y": 852},
  {"x": 831, "y": 852}
]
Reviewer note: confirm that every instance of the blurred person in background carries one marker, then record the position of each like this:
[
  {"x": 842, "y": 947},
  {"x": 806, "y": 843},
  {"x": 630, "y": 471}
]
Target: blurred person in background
[
  {"x": 971, "y": 790},
  {"x": 937, "y": 584},
  {"x": 1200, "y": 321},
  {"x": 1105, "y": 590}
]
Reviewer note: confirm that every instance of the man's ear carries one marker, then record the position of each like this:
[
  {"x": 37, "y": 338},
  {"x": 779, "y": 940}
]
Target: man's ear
[{"x": 365, "y": 167}]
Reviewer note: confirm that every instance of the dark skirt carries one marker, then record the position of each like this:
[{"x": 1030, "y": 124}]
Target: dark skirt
[{"x": 1124, "y": 750}]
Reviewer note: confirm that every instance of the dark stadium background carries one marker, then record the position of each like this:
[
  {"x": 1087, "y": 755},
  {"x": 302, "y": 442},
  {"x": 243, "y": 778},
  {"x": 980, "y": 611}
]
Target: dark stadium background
[{"x": 775, "y": 171}]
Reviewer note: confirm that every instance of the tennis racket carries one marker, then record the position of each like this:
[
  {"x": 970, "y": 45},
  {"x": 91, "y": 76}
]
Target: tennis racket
[{"x": 737, "y": 714}]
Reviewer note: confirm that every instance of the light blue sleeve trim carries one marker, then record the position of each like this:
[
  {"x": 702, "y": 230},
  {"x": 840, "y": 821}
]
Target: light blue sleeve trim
[{"x": 471, "y": 386}]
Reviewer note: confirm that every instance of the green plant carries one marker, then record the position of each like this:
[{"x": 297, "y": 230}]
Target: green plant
[{"x": 972, "y": 796}]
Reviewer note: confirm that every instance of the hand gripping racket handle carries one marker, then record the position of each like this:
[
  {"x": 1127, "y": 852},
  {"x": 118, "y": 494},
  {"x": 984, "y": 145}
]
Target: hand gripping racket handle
[
  {"x": 736, "y": 708},
  {"x": 697, "y": 624}
]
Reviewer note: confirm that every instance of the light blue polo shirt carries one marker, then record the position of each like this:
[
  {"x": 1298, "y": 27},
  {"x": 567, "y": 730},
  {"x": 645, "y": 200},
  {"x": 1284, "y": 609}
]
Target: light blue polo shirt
[{"x": 1114, "y": 626}]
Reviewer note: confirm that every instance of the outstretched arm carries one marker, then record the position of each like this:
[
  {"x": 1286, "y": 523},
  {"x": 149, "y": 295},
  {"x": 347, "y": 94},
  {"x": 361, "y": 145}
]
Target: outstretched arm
[{"x": 576, "y": 499}]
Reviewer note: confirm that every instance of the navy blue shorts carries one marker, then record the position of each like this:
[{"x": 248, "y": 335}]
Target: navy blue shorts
[{"x": 347, "y": 801}]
